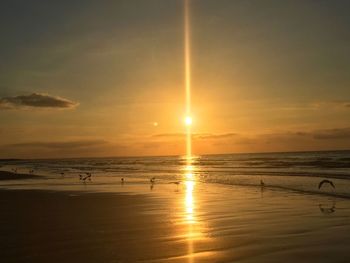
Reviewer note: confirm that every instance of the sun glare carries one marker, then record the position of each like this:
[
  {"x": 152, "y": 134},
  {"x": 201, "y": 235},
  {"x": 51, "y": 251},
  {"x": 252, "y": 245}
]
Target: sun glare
[{"x": 188, "y": 121}]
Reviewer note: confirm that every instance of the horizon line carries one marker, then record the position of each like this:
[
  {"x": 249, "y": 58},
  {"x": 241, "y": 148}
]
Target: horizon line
[{"x": 176, "y": 155}]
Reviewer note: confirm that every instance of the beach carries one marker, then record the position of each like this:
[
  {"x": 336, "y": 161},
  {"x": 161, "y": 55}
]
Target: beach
[
  {"x": 175, "y": 131},
  {"x": 165, "y": 222}
]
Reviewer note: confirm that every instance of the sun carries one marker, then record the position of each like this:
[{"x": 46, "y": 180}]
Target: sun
[{"x": 188, "y": 121}]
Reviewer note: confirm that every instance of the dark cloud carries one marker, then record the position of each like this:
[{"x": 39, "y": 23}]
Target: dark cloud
[
  {"x": 36, "y": 100},
  {"x": 332, "y": 134},
  {"x": 60, "y": 145}
]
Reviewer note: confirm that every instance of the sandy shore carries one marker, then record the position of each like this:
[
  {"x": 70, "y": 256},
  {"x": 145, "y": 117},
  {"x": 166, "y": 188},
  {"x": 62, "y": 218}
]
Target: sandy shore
[{"x": 191, "y": 223}]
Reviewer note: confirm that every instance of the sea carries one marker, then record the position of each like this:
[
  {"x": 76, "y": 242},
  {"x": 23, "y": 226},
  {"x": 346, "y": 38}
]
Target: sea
[{"x": 290, "y": 171}]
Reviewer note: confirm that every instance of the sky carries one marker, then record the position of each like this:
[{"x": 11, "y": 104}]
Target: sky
[{"x": 106, "y": 78}]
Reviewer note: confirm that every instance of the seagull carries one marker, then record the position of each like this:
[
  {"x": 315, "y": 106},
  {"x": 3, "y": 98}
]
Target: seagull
[
  {"x": 153, "y": 179},
  {"x": 62, "y": 174},
  {"x": 86, "y": 177},
  {"x": 177, "y": 183},
  {"x": 122, "y": 180},
  {"x": 325, "y": 181}
]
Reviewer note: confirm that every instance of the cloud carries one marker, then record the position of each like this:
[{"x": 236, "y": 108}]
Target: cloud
[
  {"x": 210, "y": 136},
  {"x": 327, "y": 134},
  {"x": 36, "y": 100},
  {"x": 199, "y": 136},
  {"x": 332, "y": 134},
  {"x": 60, "y": 145},
  {"x": 169, "y": 135}
]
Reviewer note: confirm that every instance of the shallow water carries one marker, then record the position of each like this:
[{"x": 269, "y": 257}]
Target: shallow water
[{"x": 291, "y": 171}]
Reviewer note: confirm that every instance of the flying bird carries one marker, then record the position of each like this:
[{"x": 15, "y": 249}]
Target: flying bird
[
  {"x": 324, "y": 182},
  {"x": 153, "y": 179},
  {"x": 86, "y": 177}
]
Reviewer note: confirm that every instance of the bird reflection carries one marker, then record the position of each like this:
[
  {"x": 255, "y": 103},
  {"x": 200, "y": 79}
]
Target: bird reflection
[
  {"x": 327, "y": 209},
  {"x": 262, "y": 189}
]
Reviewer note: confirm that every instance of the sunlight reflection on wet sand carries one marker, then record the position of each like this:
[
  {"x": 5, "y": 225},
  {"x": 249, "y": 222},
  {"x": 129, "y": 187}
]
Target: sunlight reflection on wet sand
[{"x": 189, "y": 203}]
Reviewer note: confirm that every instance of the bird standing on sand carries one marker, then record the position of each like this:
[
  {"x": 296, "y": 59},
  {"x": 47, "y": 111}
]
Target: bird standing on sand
[
  {"x": 122, "y": 180},
  {"x": 324, "y": 182},
  {"x": 177, "y": 183}
]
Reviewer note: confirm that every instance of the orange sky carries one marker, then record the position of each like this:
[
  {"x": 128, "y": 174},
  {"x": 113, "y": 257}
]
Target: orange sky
[{"x": 87, "y": 78}]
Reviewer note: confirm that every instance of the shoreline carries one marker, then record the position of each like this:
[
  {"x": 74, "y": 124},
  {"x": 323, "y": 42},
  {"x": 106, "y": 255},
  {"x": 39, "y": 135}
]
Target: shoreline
[
  {"x": 74, "y": 185},
  {"x": 5, "y": 175}
]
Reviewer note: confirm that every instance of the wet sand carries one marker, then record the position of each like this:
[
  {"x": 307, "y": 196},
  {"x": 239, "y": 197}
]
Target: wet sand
[{"x": 192, "y": 222}]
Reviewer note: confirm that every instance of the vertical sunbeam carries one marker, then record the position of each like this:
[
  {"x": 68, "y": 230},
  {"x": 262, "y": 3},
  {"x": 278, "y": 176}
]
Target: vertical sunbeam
[
  {"x": 188, "y": 80},
  {"x": 188, "y": 121}
]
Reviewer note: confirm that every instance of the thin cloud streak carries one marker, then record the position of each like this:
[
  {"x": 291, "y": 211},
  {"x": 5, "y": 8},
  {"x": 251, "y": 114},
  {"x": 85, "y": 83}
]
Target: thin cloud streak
[
  {"x": 198, "y": 136},
  {"x": 333, "y": 134},
  {"x": 215, "y": 136},
  {"x": 60, "y": 145}
]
